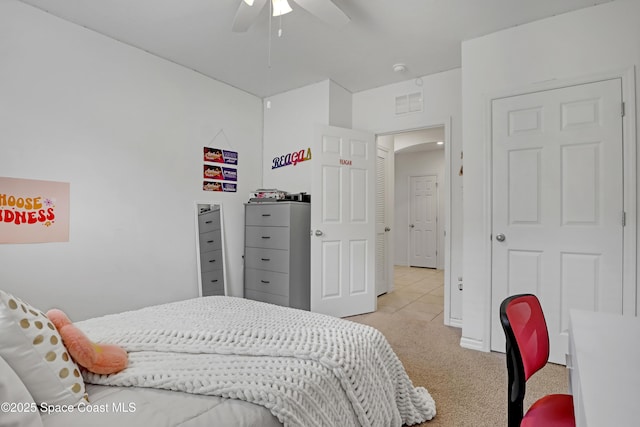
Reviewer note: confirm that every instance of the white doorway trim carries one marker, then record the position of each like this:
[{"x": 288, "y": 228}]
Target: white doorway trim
[
  {"x": 446, "y": 187},
  {"x": 631, "y": 296},
  {"x": 448, "y": 282}
]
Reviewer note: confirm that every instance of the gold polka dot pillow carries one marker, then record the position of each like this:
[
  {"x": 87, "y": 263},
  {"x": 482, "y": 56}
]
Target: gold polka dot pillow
[{"x": 31, "y": 345}]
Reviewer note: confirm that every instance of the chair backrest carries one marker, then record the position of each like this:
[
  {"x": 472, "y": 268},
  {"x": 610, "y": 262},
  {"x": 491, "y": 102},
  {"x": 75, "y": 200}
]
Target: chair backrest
[{"x": 527, "y": 347}]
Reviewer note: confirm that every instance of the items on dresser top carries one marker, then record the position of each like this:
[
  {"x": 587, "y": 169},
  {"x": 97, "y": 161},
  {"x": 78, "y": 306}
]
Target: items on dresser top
[
  {"x": 272, "y": 195},
  {"x": 210, "y": 242},
  {"x": 299, "y": 197},
  {"x": 268, "y": 193},
  {"x": 277, "y": 253}
]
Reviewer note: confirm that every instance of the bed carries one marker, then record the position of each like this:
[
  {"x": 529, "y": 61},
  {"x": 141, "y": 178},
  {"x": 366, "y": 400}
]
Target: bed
[{"x": 231, "y": 361}]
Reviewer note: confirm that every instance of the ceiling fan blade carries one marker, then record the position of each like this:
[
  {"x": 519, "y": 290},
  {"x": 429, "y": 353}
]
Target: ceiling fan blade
[
  {"x": 246, "y": 15},
  {"x": 325, "y": 10}
]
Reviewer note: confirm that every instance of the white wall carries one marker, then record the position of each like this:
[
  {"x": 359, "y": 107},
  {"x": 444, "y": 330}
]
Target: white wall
[
  {"x": 340, "y": 106},
  {"x": 126, "y": 130},
  {"x": 416, "y": 164},
  {"x": 374, "y": 110},
  {"x": 288, "y": 126},
  {"x": 574, "y": 45}
]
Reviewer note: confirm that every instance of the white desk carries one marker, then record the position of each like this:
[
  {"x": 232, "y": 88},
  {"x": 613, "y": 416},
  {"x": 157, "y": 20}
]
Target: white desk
[{"x": 604, "y": 369}]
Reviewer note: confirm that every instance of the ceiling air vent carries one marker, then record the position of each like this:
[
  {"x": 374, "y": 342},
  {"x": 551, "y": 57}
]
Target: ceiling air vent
[{"x": 410, "y": 103}]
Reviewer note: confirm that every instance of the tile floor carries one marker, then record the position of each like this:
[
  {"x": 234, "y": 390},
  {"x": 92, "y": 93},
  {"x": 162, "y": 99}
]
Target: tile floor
[{"x": 418, "y": 293}]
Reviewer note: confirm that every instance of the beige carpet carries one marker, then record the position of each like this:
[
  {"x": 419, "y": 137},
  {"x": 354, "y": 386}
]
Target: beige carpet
[{"x": 469, "y": 387}]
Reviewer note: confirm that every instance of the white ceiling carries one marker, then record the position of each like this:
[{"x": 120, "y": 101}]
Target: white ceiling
[
  {"x": 419, "y": 140},
  {"x": 424, "y": 34}
]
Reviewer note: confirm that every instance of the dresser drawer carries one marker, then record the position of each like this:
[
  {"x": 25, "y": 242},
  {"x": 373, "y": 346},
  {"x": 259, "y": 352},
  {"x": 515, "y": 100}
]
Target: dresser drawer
[
  {"x": 208, "y": 291},
  {"x": 211, "y": 260},
  {"x": 213, "y": 278},
  {"x": 267, "y": 281},
  {"x": 267, "y": 259},
  {"x": 267, "y": 214},
  {"x": 210, "y": 241},
  {"x": 209, "y": 221},
  {"x": 267, "y": 237},
  {"x": 264, "y": 297}
]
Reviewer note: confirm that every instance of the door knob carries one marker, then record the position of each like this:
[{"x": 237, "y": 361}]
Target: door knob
[
  {"x": 500, "y": 237},
  {"x": 387, "y": 229},
  {"x": 411, "y": 225},
  {"x": 319, "y": 233}
]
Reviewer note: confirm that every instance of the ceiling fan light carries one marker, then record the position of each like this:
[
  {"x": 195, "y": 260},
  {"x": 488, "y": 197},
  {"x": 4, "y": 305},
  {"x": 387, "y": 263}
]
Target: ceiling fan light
[
  {"x": 249, "y": 2},
  {"x": 281, "y": 7}
]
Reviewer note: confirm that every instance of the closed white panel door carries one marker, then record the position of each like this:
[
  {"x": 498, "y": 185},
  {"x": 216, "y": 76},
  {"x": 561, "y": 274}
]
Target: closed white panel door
[
  {"x": 558, "y": 204},
  {"x": 423, "y": 212},
  {"x": 383, "y": 255},
  {"x": 343, "y": 222}
]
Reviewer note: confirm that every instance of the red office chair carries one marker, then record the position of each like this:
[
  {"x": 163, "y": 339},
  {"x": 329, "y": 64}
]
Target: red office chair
[{"x": 527, "y": 352}]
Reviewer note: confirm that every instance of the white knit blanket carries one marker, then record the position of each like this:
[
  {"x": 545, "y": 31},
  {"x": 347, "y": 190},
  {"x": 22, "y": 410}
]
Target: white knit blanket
[{"x": 308, "y": 369}]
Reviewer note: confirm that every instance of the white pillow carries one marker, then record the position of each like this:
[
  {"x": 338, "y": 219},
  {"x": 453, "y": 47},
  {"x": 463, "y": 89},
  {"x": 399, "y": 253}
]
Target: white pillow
[
  {"x": 18, "y": 408},
  {"x": 31, "y": 345}
]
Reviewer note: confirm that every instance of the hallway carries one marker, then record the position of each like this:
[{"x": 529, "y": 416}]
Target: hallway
[{"x": 418, "y": 294}]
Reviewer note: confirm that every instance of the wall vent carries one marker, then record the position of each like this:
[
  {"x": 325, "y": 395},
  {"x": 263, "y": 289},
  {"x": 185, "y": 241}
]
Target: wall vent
[{"x": 410, "y": 103}]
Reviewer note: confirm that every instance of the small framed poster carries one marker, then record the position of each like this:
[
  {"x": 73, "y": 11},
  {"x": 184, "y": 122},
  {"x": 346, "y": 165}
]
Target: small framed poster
[
  {"x": 33, "y": 211},
  {"x": 220, "y": 170}
]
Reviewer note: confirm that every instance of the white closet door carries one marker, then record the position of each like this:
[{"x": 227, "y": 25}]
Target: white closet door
[
  {"x": 423, "y": 221},
  {"x": 558, "y": 203}
]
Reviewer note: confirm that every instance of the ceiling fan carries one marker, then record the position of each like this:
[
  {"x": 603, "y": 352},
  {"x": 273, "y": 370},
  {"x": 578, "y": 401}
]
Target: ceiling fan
[{"x": 325, "y": 10}]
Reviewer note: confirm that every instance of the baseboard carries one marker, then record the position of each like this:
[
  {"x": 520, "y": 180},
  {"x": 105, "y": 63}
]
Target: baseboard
[
  {"x": 456, "y": 323},
  {"x": 472, "y": 344}
]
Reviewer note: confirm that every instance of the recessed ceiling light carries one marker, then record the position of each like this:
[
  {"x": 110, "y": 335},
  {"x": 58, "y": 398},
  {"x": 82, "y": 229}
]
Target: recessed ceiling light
[{"x": 440, "y": 142}]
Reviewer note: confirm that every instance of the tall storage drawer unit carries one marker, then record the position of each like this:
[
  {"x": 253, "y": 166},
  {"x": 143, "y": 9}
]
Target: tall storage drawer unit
[
  {"x": 277, "y": 253},
  {"x": 211, "y": 266}
]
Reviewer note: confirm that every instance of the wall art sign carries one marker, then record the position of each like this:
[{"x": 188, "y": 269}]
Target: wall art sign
[
  {"x": 220, "y": 171},
  {"x": 291, "y": 158},
  {"x": 217, "y": 155},
  {"x": 33, "y": 211},
  {"x": 219, "y": 186}
]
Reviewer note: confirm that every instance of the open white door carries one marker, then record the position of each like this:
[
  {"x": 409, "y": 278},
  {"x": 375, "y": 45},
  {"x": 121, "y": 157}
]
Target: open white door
[
  {"x": 343, "y": 222},
  {"x": 384, "y": 264}
]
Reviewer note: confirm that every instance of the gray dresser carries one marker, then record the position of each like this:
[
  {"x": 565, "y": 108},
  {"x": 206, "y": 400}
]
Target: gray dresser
[
  {"x": 277, "y": 253},
  {"x": 211, "y": 265}
]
